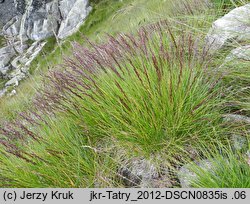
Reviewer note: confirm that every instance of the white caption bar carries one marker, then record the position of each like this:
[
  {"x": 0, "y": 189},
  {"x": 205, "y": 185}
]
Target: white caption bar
[{"x": 120, "y": 195}]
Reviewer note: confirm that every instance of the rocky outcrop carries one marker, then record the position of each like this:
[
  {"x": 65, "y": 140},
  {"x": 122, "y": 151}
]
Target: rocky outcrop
[
  {"x": 39, "y": 19},
  {"x": 12, "y": 28},
  {"x": 7, "y": 11},
  {"x": 24, "y": 60},
  {"x": 20, "y": 64},
  {"x": 36, "y": 20},
  {"x": 72, "y": 16},
  {"x": 234, "y": 26},
  {"x": 15, "y": 67},
  {"x": 41, "y": 22}
]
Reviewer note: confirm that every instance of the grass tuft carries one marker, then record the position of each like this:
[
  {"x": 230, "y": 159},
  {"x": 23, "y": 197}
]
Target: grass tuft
[
  {"x": 150, "y": 92},
  {"x": 225, "y": 170}
]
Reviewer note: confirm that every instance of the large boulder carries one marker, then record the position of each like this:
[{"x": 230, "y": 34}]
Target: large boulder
[{"x": 234, "y": 26}]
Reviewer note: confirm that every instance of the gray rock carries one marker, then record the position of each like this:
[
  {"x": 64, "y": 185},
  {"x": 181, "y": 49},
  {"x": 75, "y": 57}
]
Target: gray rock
[
  {"x": 20, "y": 47},
  {"x": 140, "y": 172},
  {"x": 16, "y": 73},
  {"x": 40, "y": 19},
  {"x": 13, "y": 82},
  {"x": 35, "y": 20},
  {"x": 73, "y": 13},
  {"x": 6, "y": 54},
  {"x": 241, "y": 53},
  {"x": 12, "y": 93},
  {"x": 7, "y": 11},
  {"x": 236, "y": 118},
  {"x": 20, "y": 6},
  {"x": 11, "y": 28},
  {"x": 4, "y": 71},
  {"x": 239, "y": 142},
  {"x": 23, "y": 61},
  {"x": 42, "y": 23},
  {"x": 233, "y": 26},
  {"x": 3, "y": 92},
  {"x": 21, "y": 64}
]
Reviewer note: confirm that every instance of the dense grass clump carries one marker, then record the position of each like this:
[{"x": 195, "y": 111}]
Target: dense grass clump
[
  {"x": 224, "y": 170},
  {"x": 153, "y": 92}
]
